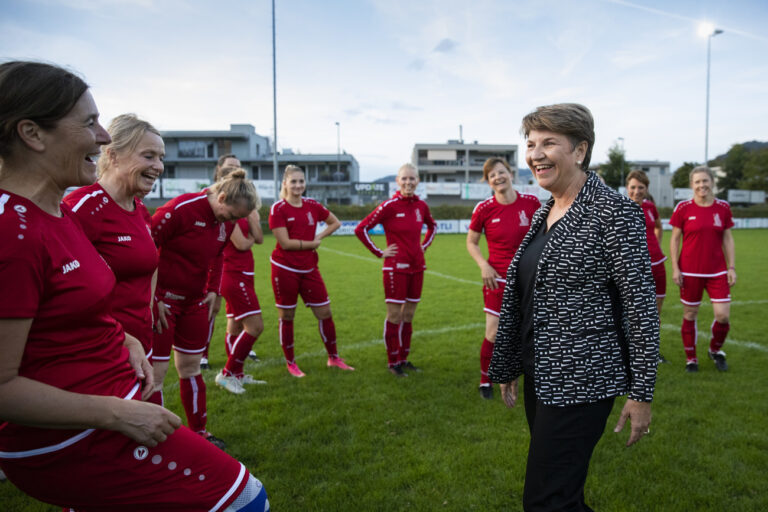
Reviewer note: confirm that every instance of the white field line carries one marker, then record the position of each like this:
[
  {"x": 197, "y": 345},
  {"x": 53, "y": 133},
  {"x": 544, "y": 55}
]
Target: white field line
[
  {"x": 668, "y": 327},
  {"x": 376, "y": 260},
  {"x": 346, "y": 347},
  {"x": 679, "y": 305},
  {"x": 704, "y": 335}
]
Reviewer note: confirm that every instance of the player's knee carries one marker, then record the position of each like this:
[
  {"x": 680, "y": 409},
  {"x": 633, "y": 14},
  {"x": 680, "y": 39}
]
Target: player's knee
[{"x": 253, "y": 498}]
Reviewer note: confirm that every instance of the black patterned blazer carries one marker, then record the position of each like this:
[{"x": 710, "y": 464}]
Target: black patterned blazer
[{"x": 585, "y": 348}]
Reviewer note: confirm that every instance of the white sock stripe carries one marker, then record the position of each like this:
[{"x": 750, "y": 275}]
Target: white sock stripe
[
  {"x": 322, "y": 334},
  {"x": 234, "y": 346},
  {"x": 193, "y": 384}
]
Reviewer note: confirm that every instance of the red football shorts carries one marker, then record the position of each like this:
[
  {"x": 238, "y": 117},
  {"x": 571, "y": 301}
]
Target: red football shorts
[
  {"x": 187, "y": 330},
  {"x": 693, "y": 289},
  {"x": 288, "y": 285},
  {"x": 106, "y": 471},
  {"x": 660, "y": 278},
  {"x": 400, "y": 287},
  {"x": 492, "y": 299},
  {"x": 237, "y": 290}
]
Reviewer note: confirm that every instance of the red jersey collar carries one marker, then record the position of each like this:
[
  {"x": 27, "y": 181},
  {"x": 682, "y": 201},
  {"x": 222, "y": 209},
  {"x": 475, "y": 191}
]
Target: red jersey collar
[{"x": 400, "y": 196}]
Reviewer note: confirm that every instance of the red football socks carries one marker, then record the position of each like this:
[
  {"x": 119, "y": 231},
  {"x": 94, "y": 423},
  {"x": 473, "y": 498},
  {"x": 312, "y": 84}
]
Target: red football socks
[
  {"x": 328, "y": 334},
  {"x": 193, "y": 400},
  {"x": 486, "y": 352},
  {"x": 286, "y": 339},
  {"x": 688, "y": 332}
]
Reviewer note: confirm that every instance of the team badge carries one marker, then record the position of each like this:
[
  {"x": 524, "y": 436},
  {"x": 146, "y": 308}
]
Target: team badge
[
  {"x": 310, "y": 219},
  {"x": 418, "y": 215},
  {"x": 718, "y": 222},
  {"x": 222, "y": 233},
  {"x": 140, "y": 453},
  {"x": 524, "y": 220}
]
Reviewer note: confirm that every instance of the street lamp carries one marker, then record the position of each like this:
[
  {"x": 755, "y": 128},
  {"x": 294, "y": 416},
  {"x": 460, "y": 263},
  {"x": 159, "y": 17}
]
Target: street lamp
[
  {"x": 338, "y": 155},
  {"x": 623, "y": 158},
  {"x": 709, "y": 31},
  {"x": 338, "y": 149}
]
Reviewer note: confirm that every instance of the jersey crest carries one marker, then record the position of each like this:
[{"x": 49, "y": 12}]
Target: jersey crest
[
  {"x": 418, "y": 216},
  {"x": 310, "y": 219},
  {"x": 718, "y": 222},
  {"x": 222, "y": 233},
  {"x": 524, "y": 220}
]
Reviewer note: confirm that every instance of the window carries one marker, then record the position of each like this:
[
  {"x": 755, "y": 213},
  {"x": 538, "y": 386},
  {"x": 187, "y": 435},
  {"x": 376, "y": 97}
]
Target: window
[
  {"x": 194, "y": 149},
  {"x": 169, "y": 171}
]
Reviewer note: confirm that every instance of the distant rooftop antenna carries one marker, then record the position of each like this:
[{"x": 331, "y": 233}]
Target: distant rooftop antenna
[{"x": 461, "y": 134}]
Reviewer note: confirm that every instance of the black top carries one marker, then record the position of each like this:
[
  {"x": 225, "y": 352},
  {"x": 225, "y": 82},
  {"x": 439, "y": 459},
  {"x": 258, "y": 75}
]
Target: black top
[{"x": 526, "y": 283}]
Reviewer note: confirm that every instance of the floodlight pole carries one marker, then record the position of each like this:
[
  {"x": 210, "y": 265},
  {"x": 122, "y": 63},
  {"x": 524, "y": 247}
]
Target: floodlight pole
[
  {"x": 706, "y": 122},
  {"x": 623, "y": 158},
  {"x": 274, "y": 109}
]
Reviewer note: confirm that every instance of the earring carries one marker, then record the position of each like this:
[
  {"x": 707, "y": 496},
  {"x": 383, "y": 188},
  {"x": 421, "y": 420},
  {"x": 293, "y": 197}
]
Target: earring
[{"x": 578, "y": 162}]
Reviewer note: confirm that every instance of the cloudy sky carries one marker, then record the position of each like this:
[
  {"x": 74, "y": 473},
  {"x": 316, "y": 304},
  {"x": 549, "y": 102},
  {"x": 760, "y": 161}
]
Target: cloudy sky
[{"x": 397, "y": 72}]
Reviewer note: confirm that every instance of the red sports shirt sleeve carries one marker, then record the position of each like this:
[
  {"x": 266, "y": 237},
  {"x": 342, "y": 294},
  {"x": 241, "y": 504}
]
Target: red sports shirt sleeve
[
  {"x": 429, "y": 236},
  {"x": 368, "y": 223}
]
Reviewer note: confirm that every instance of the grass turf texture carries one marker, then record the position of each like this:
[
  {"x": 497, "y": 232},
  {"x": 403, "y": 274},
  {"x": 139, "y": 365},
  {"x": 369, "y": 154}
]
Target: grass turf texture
[{"x": 365, "y": 440}]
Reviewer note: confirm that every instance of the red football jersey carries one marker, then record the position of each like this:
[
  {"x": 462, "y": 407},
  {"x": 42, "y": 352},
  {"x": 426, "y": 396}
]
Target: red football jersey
[
  {"x": 402, "y": 218},
  {"x": 51, "y": 273},
  {"x": 191, "y": 242},
  {"x": 505, "y": 226},
  {"x": 703, "y": 226},
  {"x": 236, "y": 260},
  {"x": 301, "y": 224},
  {"x": 124, "y": 240},
  {"x": 654, "y": 247}
]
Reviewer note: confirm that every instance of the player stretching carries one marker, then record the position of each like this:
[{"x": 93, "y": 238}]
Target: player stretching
[
  {"x": 244, "y": 323},
  {"x": 191, "y": 231}
]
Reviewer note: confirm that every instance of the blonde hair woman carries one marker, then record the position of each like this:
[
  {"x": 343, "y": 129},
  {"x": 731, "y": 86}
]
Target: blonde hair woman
[
  {"x": 403, "y": 272},
  {"x": 702, "y": 226},
  {"x": 293, "y": 220}
]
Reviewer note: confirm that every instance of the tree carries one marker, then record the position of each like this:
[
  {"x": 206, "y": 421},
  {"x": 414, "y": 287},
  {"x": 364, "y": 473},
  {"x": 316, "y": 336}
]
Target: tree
[
  {"x": 616, "y": 166},
  {"x": 680, "y": 178},
  {"x": 733, "y": 167},
  {"x": 755, "y": 173}
]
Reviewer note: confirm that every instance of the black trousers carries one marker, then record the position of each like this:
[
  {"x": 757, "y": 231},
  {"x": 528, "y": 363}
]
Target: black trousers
[{"x": 562, "y": 441}]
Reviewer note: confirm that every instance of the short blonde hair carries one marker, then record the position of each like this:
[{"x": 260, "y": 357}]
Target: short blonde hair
[
  {"x": 126, "y": 131},
  {"x": 408, "y": 166},
  {"x": 704, "y": 169}
]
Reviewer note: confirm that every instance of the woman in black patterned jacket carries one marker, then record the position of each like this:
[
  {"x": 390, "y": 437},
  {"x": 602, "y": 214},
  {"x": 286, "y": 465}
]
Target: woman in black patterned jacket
[{"x": 579, "y": 313}]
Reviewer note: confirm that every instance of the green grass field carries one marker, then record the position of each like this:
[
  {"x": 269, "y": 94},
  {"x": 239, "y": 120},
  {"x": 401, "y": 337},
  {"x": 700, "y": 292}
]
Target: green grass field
[{"x": 365, "y": 441}]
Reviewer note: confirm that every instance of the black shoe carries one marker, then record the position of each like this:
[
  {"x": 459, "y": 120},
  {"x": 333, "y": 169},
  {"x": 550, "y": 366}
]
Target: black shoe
[
  {"x": 409, "y": 366},
  {"x": 215, "y": 441},
  {"x": 397, "y": 371},
  {"x": 253, "y": 357},
  {"x": 204, "y": 364},
  {"x": 486, "y": 392},
  {"x": 719, "y": 359},
  {"x": 692, "y": 367},
  {"x": 662, "y": 359}
]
